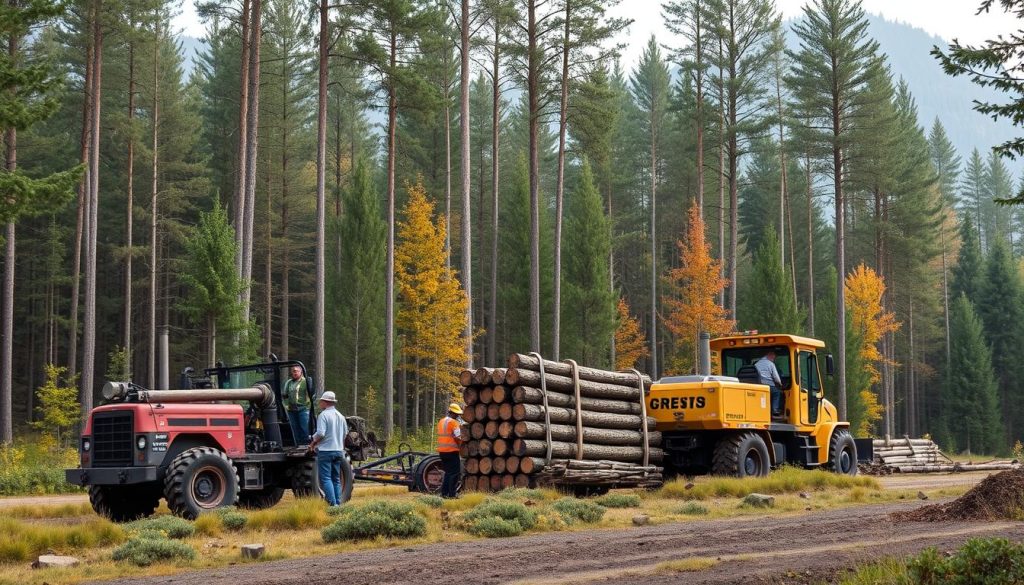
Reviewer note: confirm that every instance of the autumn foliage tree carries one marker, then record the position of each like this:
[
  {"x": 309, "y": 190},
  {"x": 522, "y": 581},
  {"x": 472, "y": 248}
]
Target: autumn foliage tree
[
  {"x": 431, "y": 302},
  {"x": 869, "y": 322},
  {"x": 694, "y": 287},
  {"x": 630, "y": 341}
]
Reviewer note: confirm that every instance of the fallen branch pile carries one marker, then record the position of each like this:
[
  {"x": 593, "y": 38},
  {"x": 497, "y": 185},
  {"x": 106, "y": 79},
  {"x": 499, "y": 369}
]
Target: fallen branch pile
[
  {"x": 908, "y": 455},
  {"x": 523, "y": 436}
]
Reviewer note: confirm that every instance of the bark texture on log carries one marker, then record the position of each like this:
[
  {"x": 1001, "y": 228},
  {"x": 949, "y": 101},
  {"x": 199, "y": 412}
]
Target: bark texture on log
[
  {"x": 528, "y": 395},
  {"x": 498, "y": 376},
  {"x": 602, "y": 420},
  {"x": 535, "y": 430},
  {"x": 532, "y": 448},
  {"x": 528, "y": 362},
  {"x": 482, "y": 376},
  {"x": 590, "y": 389}
]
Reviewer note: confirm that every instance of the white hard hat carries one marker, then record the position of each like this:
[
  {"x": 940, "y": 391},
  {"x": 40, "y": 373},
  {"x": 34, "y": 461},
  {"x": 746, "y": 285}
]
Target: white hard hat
[{"x": 328, "y": 397}]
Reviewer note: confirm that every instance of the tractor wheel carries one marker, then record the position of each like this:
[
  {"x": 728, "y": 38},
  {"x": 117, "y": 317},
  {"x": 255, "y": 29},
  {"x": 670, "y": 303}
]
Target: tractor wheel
[
  {"x": 306, "y": 480},
  {"x": 267, "y": 497},
  {"x": 198, "y": 480},
  {"x": 428, "y": 475},
  {"x": 123, "y": 503},
  {"x": 741, "y": 455},
  {"x": 842, "y": 453}
]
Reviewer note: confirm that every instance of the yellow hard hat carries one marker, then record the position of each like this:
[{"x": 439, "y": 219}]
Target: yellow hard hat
[{"x": 453, "y": 407}]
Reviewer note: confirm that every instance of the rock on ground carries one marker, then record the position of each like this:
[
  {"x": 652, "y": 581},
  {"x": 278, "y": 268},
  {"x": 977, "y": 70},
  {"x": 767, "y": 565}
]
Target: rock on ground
[{"x": 55, "y": 561}]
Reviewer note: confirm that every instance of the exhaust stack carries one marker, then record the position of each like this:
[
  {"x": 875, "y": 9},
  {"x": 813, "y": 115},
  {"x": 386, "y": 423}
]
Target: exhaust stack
[{"x": 704, "y": 349}]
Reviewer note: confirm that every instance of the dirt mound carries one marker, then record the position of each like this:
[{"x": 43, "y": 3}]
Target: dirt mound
[{"x": 997, "y": 497}]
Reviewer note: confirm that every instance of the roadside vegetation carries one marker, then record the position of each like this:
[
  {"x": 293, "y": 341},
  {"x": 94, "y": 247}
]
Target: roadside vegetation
[
  {"x": 980, "y": 561},
  {"x": 382, "y": 516},
  {"x": 32, "y": 467}
]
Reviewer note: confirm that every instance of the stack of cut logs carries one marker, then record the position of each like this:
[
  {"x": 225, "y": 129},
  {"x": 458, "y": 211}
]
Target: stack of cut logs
[
  {"x": 505, "y": 422},
  {"x": 908, "y": 455}
]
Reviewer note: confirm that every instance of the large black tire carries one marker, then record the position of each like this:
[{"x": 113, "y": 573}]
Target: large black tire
[
  {"x": 124, "y": 503},
  {"x": 741, "y": 455},
  {"x": 428, "y": 475},
  {"x": 842, "y": 453},
  {"x": 306, "y": 480},
  {"x": 199, "y": 480},
  {"x": 267, "y": 497}
]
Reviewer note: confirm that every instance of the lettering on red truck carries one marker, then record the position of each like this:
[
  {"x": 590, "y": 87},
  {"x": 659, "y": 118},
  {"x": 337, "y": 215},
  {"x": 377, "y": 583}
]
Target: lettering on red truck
[{"x": 677, "y": 403}]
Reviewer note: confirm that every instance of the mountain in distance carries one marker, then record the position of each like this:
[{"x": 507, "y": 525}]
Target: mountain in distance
[{"x": 907, "y": 48}]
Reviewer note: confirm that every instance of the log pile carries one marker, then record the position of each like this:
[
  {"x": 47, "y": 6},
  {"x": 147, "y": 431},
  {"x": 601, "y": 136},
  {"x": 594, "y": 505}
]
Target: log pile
[
  {"x": 509, "y": 427},
  {"x": 908, "y": 455}
]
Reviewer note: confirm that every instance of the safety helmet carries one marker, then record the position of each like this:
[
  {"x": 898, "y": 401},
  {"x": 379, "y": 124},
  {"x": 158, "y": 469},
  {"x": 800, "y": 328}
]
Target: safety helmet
[{"x": 454, "y": 407}]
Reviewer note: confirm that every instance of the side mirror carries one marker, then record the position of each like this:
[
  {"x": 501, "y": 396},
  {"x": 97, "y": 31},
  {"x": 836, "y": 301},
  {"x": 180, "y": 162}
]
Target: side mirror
[{"x": 830, "y": 365}]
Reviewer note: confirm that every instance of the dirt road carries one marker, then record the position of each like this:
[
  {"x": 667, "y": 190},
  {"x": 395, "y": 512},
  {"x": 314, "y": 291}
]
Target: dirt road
[{"x": 779, "y": 549}]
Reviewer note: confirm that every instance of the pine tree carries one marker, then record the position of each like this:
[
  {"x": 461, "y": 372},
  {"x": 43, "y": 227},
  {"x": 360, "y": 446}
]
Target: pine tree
[
  {"x": 973, "y": 205},
  {"x": 946, "y": 162},
  {"x": 966, "y": 278},
  {"x": 691, "y": 307},
  {"x": 834, "y": 45},
  {"x": 998, "y": 187},
  {"x": 630, "y": 344},
  {"x": 589, "y": 304},
  {"x": 971, "y": 411},
  {"x": 771, "y": 306},
  {"x": 1000, "y": 303}
]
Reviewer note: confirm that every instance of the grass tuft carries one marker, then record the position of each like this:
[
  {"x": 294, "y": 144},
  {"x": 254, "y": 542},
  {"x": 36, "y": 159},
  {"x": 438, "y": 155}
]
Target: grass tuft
[
  {"x": 20, "y": 541},
  {"x": 689, "y": 565},
  {"x": 782, "y": 481},
  {"x": 48, "y": 512},
  {"x": 379, "y": 518},
  {"x": 209, "y": 525},
  {"x": 145, "y": 549},
  {"x": 504, "y": 509},
  {"x": 573, "y": 510},
  {"x": 430, "y": 501},
  {"x": 693, "y": 509},
  {"x": 495, "y": 527},
  {"x": 169, "y": 526},
  {"x": 619, "y": 501},
  {"x": 303, "y": 513}
]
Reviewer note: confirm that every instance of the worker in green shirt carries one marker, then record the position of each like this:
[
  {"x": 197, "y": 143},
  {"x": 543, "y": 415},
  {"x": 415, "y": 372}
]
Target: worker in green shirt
[{"x": 296, "y": 404}]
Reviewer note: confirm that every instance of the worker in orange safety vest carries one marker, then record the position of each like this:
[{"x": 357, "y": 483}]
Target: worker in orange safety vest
[{"x": 449, "y": 437}]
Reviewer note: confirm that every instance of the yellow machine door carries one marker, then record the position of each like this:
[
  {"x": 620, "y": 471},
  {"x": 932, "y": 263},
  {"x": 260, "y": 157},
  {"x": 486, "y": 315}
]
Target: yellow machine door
[{"x": 810, "y": 387}]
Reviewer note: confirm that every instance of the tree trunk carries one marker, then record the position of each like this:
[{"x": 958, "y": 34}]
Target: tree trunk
[
  {"x": 492, "y": 316},
  {"x": 240, "y": 155},
  {"x": 467, "y": 240},
  {"x": 533, "y": 91},
  {"x": 126, "y": 334},
  {"x": 837, "y": 160},
  {"x": 7, "y": 316},
  {"x": 721, "y": 176},
  {"x": 654, "y": 246},
  {"x": 698, "y": 49},
  {"x": 810, "y": 248},
  {"x": 268, "y": 275},
  {"x": 153, "y": 243},
  {"x": 89, "y": 334},
  {"x": 251, "y": 152},
  {"x": 389, "y": 292},
  {"x": 83, "y": 200},
  {"x": 321, "y": 201},
  {"x": 447, "y": 182},
  {"x": 563, "y": 111}
]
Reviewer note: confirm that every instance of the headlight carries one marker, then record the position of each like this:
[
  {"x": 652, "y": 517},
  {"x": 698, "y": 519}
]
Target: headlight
[
  {"x": 86, "y": 445},
  {"x": 141, "y": 442}
]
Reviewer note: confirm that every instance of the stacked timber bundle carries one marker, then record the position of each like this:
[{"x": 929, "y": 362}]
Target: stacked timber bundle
[
  {"x": 525, "y": 429},
  {"x": 908, "y": 455}
]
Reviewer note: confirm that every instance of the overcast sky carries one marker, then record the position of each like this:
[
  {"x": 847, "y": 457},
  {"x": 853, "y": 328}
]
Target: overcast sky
[{"x": 948, "y": 19}]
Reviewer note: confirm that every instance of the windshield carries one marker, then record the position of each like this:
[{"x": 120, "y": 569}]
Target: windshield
[{"x": 735, "y": 358}]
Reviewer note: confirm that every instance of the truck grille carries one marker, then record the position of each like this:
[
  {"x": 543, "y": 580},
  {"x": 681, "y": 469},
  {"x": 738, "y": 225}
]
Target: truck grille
[{"x": 112, "y": 439}]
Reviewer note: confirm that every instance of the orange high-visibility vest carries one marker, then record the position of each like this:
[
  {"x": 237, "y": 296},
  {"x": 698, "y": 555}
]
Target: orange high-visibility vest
[{"x": 446, "y": 441}]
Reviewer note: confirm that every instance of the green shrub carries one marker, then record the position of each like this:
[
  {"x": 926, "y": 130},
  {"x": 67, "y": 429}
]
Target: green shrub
[
  {"x": 522, "y": 494},
  {"x": 169, "y": 526},
  {"x": 693, "y": 509},
  {"x": 981, "y": 561},
  {"x": 147, "y": 548},
  {"x": 233, "y": 521},
  {"x": 431, "y": 500},
  {"x": 380, "y": 518},
  {"x": 572, "y": 510},
  {"x": 619, "y": 501},
  {"x": 495, "y": 527},
  {"x": 504, "y": 509}
]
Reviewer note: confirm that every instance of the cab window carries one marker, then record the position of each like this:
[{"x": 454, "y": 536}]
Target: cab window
[
  {"x": 735, "y": 358},
  {"x": 809, "y": 371}
]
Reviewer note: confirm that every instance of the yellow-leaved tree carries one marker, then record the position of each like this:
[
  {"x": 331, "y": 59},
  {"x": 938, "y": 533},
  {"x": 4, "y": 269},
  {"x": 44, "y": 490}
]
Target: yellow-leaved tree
[
  {"x": 630, "y": 342},
  {"x": 869, "y": 323},
  {"x": 690, "y": 304},
  {"x": 431, "y": 315}
]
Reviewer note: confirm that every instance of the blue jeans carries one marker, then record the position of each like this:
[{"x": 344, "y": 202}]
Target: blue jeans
[
  {"x": 329, "y": 468},
  {"x": 298, "y": 420},
  {"x": 776, "y": 399}
]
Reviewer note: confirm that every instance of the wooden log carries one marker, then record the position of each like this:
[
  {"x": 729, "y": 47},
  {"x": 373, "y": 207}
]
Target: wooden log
[
  {"x": 492, "y": 411},
  {"x": 480, "y": 412},
  {"x": 469, "y": 414},
  {"x": 495, "y": 483},
  {"x": 535, "y": 430},
  {"x": 528, "y": 395},
  {"x": 528, "y": 362},
  {"x": 506, "y": 429},
  {"x": 504, "y": 411},
  {"x": 498, "y": 464},
  {"x": 486, "y": 395},
  {"x": 500, "y": 447},
  {"x": 501, "y": 394},
  {"x": 522, "y": 480},
  {"x": 469, "y": 395},
  {"x": 465, "y": 429},
  {"x": 528, "y": 447},
  {"x": 599, "y": 420},
  {"x": 529, "y": 465},
  {"x": 464, "y": 450},
  {"x": 498, "y": 376},
  {"x": 903, "y": 442},
  {"x": 476, "y": 430},
  {"x": 517, "y": 377},
  {"x": 508, "y": 481},
  {"x": 512, "y": 464},
  {"x": 473, "y": 448},
  {"x": 491, "y": 429},
  {"x": 466, "y": 378},
  {"x": 482, "y": 376},
  {"x": 485, "y": 447},
  {"x": 472, "y": 465},
  {"x": 469, "y": 483},
  {"x": 483, "y": 484},
  {"x": 486, "y": 465}
]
